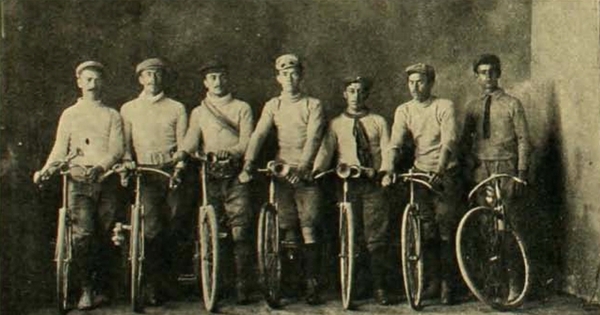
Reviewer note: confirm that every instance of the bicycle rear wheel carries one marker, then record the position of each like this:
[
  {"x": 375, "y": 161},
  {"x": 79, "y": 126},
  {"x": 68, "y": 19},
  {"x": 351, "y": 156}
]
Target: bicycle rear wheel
[
  {"x": 347, "y": 242},
  {"x": 492, "y": 260},
  {"x": 209, "y": 256},
  {"x": 269, "y": 259},
  {"x": 412, "y": 258},
  {"x": 62, "y": 258},
  {"x": 136, "y": 257}
]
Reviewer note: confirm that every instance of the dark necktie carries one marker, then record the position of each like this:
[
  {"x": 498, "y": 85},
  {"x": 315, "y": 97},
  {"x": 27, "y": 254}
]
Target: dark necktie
[
  {"x": 486, "y": 117},
  {"x": 363, "y": 148}
]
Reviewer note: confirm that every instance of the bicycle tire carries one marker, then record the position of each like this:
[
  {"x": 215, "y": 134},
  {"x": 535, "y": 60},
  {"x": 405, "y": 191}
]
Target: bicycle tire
[
  {"x": 209, "y": 256},
  {"x": 412, "y": 258},
  {"x": 269, "y": 259},
  {"x": 136, "y": 258},
  {"x": 476, "y": 236},
  {"x": 62, "y": 257},
  {"x": 347, "y": 253}
]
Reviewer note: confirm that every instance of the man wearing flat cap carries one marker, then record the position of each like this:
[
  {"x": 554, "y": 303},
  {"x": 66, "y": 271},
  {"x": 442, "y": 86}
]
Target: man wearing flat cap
[
  {"x": 299, "y": 121},
  {"x": 222, "y": 125},
  {"x": 496, "y": 140},
  {"x": 94, "y": 132},
  {"x": 358, "y": 137},
  {"x": 431, "y": 122},
  {"x": 154, "y": 128}
]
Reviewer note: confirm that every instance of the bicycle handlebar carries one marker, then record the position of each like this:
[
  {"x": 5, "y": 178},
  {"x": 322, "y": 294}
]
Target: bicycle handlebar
[
  {"x": 419, "y": 178},
  {"x": 345, "y": 171},
  {"x": 277, "y": 169},
  {"x": 492, "y": 178}
]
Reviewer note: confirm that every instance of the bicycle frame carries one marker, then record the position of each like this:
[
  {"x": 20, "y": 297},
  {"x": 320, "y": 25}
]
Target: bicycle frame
[{"x": 498, "y": 199}]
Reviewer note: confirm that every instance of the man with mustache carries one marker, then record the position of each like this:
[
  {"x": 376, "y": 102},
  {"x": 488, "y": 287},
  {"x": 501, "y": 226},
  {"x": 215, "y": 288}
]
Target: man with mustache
[
  {"x": 154, "y": 128},
  {"x": 94, "y": 130},
  {"x": 431, "y": 122},
  {"x": 300, "y": 122},
  {"x": 222, "y": 124}
]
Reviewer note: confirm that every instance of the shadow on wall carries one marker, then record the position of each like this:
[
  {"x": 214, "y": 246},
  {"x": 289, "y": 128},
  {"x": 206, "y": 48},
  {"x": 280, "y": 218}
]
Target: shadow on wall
[{"x": 544, "y": 224}]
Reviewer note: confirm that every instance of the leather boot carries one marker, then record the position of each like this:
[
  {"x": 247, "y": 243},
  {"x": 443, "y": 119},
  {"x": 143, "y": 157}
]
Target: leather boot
[
  {"x": 242, "y": 254},
  {"x": 447, "y": 271},
  {"x": 311, "y": 269}
]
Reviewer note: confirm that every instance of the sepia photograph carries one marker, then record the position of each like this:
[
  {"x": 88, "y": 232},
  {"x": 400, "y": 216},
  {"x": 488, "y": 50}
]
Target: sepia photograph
[{"x": 299, "y": 157}]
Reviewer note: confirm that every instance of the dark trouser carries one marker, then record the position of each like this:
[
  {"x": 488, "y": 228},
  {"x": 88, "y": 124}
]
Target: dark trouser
[
  {"x": 231, "y": 200},
  {"x": 299, "y": 206},
  {"x": 485, "y": 169},
  {"x": 161, "y": 205},
  {"x": 440, "y": 214},
  {"x": 92, "y": 208},
  {"x": 372, "y": 225}
]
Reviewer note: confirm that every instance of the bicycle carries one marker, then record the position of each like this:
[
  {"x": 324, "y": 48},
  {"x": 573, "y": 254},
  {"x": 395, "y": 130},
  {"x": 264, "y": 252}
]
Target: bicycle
[
  {"x": 411, "y": 246},
  {"x": 136, "y": 229},
  {"x": 63, "y": 252},
  {"x": 346, "y": 232},
  {"x": 486, "y": 241},
  {"x": 268, "y": 238},
  {"x": 207, "y": 241}
]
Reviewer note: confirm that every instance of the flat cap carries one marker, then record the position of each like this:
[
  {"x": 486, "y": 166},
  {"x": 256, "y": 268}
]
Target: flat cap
[
  {"x": 152, "y": 63},
  {"x": 213, "y": 66},
  {"x": 287, "y": 61},
  {"x": 88, "y": 64},
  {"x": 366, "y": 83},
  {"x": 422, "y": 68}
]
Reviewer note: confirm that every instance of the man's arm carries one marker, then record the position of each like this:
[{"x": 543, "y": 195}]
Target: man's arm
[
  {"x": 115, "y": 142},
  {"x": 181, "y": 125},
  {"x": 522, "y": 134},
  {"x": 448, "y": 136},
  {"x": 384, "y": 141},
  {"x": 245, "y": 131},
  {"x": 314, "y": 134},
  {"x": 61, "y": 143},
  {"x": 258, "y": 137},
  {"x": 326, "y": 151},
  {"x": 193, "y": 136},
  {"x": 127, "y": 133},
  {"x": 399, "y": 131}
]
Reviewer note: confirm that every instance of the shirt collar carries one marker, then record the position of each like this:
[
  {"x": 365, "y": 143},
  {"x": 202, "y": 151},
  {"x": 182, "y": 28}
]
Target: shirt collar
[
  {"x": 495, "y": 94},
  {"x": 292, "y": 98},
  {"x": 84, "y": 102},
  {"x": 152, "y": 99},
  {"x": 216, "y": 100}
]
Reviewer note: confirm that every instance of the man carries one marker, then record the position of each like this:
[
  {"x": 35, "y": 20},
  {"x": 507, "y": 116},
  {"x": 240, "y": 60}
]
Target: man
[
  {"x": 431, "y": 123},
  {"x": 357, "y": 137},
  {"x": 93, "y": 130},
  {"x": 496, "y": 136},
  {"x": 223, "y": 125},
  {"x": 154, "y": 128},
  {"x": 299, "y": 121}
]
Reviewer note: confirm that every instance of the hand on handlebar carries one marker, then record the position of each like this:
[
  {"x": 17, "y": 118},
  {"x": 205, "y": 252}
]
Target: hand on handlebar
[
  {"x": 436, "y": 179},
  {"x": 519, "y": 188},
  {"x": 388, "y": 179},
  {"x": 223, "y": 155},
  {"x": 94, "y": 173}
]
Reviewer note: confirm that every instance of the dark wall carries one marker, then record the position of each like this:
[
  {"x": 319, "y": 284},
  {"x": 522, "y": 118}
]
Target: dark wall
[{"x": 45, "y": 39}]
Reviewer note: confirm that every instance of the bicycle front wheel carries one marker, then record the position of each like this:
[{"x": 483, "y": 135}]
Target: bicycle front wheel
[
  {"x": 412, "y": 258},
  {"x": 347, "y": 242},
  {"x": 209, "y": 256},
  {"x": 269, "y": 259},
  {"x": 62, "y": 258},
  {"x": 492, "y": 259},
  {"x": 136, "y": 257}
]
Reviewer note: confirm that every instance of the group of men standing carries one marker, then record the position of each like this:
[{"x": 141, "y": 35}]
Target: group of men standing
[{"x": 153, "y": 129}]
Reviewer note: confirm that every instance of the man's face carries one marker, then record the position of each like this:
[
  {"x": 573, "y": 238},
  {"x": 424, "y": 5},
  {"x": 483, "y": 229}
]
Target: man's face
[
  {"x": 289, "y": 79},
  {"x": 419, "y": 86},
  {"x": 355, "y": 95},
  {"x": 90, "y": 81},
  {"x": 152, "y": 80},
  {"x": 216, "y": 83},
  {"x": 487, "y": 77}
]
